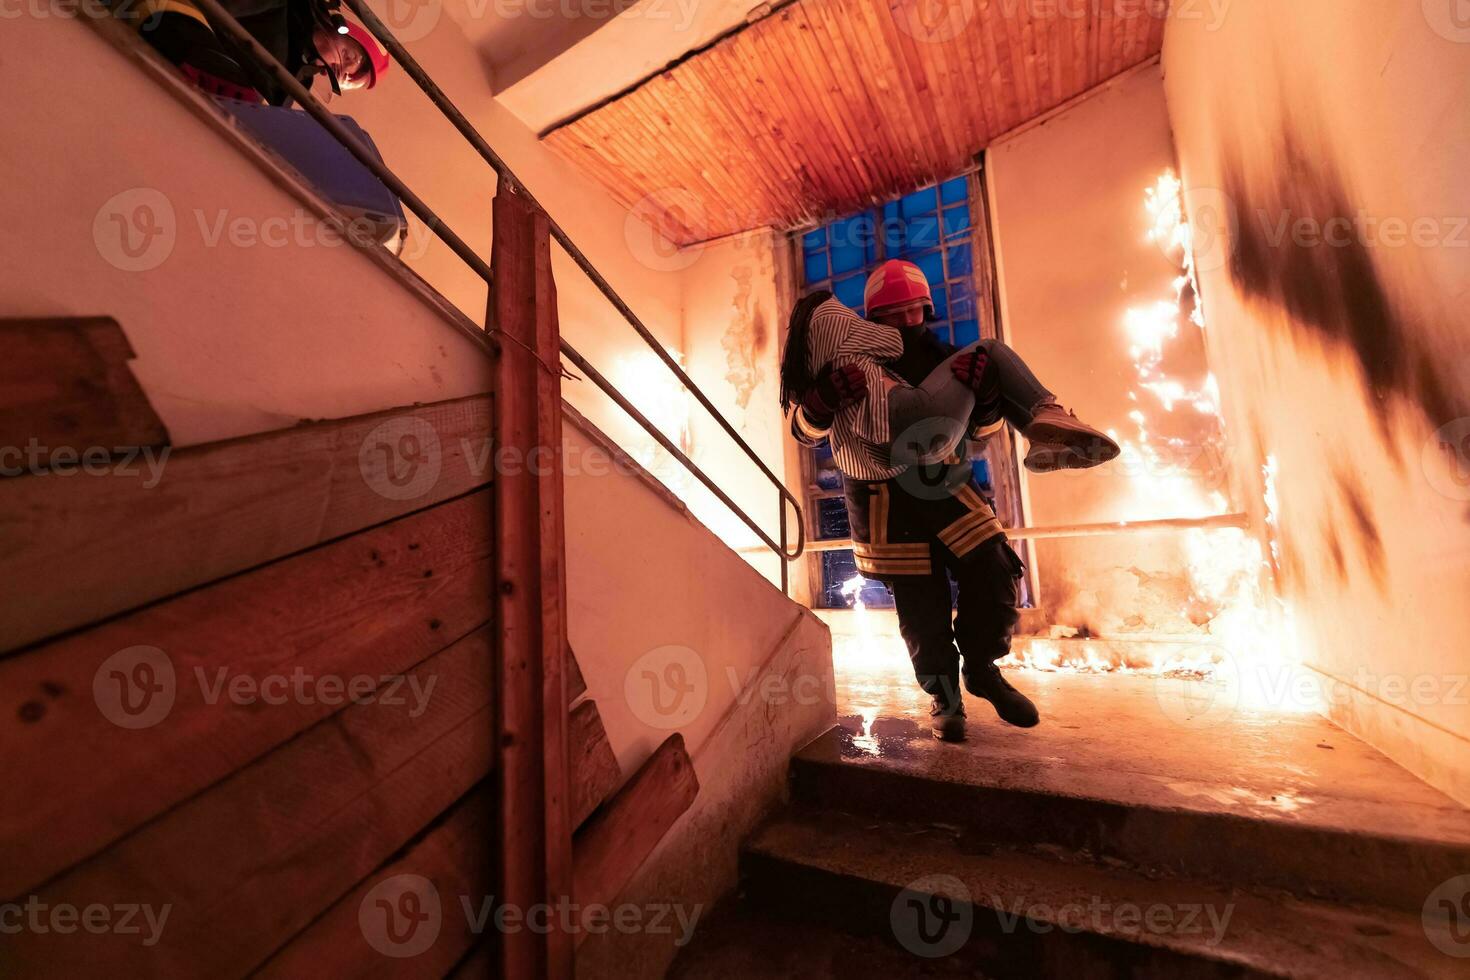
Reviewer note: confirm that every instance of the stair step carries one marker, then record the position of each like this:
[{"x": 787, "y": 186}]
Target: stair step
[
  {"x": 734, "y": 942},
  {"x": 1286, "y": 802},
  {"x": 1033, "y": 914}
]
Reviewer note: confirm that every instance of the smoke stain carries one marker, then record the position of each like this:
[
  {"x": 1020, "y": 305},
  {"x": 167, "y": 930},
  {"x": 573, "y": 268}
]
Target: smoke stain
[
  {"x": 1333, "y": 545},
  {"x": 1369, "y": 537},
  {"x": 1331, "y": 290}
]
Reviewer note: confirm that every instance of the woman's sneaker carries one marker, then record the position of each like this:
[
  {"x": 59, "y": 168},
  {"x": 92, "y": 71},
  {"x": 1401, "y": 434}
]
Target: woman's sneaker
[
  {"x": 947, "y": 721},
  {"x": 1059, "y": 441}
]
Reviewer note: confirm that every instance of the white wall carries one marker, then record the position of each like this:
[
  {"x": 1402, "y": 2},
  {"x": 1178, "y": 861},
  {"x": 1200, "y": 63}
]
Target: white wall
[
  {"x": 1068, "y": 199},
  {"x": 734, "y": 321},
  {"x": 244, "y": 315},
  {"x": 623, "y": 51},
  {"x": 1344, "y": 357},
  {"x": 430, "y": 155}
]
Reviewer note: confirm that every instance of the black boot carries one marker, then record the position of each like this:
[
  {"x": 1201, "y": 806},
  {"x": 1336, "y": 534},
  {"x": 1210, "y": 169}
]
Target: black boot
[
  {"x": 1013, "y": 707},
  {"x": 946, "y": 720}
]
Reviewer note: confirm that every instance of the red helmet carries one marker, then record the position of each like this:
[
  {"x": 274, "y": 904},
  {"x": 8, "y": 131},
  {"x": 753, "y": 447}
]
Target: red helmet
[
  {"x": 377, "y": 57},
  {"x": 897, "y": 283}
]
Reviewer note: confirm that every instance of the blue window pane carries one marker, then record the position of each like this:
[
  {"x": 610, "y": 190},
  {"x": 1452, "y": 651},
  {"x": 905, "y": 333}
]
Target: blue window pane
[
  {"x": 854, "y": 244},
  {"x": 832, "y": 519},
  {"x": 953, "y": 191},
  {"x": 921, "y": 233},
  {"x": 959, "y": 261},
  {"x": 892, "y": 230},
  {"x": 961, "y": 299},
  {"x": 966, "y": 332},
  {"x": 846, "y": 258},
  {"x": 919, "y": 202},
  {"x": 814, "y": 240},
  {"x": 816, "y": 268},
  {"x": 853, "y": 235},
  {"x": 956, "y": 220},
  {"x": 932, "y": 264},
  {"x": 941, "y": 304},
  {"x": 940, "y": 329},
  {"x": 981, "y": 469},
  {"x": 825, "y": 471},
  {"x": 850, "y": 290}
]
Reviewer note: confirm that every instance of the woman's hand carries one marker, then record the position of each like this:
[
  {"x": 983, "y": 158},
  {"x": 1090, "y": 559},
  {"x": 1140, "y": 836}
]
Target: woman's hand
[
  {"x": 970, "y": 368},
  {"x": 836, "y": 389}
]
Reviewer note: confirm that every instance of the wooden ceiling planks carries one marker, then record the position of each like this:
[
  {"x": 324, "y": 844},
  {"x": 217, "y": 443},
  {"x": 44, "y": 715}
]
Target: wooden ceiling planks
[{"x": 824, "y": 107}]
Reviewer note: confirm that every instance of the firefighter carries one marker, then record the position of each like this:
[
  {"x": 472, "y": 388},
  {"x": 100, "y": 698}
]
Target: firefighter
[
  {"x": 308, "y": 38},
  {"x": 890, "y": 396}
]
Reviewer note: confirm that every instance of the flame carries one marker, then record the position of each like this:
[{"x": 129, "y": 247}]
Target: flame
[
  {"x": 1247, "y": 629},
  {"x": 1248, "y": 643}
]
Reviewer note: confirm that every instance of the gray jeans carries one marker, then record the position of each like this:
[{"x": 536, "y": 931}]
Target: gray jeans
[{"x": 929, "y": 421}]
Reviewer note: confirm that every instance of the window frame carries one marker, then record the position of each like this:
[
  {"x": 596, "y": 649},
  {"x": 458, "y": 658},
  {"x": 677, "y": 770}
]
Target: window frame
[{"x": 980, "y": 282}]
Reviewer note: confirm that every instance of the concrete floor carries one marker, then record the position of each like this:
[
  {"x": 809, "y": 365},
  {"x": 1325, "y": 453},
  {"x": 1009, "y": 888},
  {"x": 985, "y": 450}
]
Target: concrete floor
[
  {"x": 1159, "y": 742},
  {"x": 1134, "y": 792}
]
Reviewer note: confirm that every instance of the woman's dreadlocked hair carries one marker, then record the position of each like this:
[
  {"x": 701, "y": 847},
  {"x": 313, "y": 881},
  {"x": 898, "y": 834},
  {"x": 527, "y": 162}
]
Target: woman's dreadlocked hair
[{"x": 796, "y": 375}]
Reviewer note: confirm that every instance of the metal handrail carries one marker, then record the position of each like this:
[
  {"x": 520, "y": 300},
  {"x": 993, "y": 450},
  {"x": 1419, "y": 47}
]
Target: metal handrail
[{"x": 224, "y": 22}]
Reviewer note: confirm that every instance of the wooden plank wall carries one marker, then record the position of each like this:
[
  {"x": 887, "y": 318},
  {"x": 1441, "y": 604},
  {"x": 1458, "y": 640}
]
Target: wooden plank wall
[
  {"x": 829, "y": 106},
  {"x": 242, "y": 686},
  {"x": 255, "y": 702}
]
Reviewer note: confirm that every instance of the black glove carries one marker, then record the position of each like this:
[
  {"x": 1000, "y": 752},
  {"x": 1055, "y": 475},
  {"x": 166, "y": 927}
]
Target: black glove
[
  {"x": 836, "y": 388},
  {"x": 970, "y": 368}
]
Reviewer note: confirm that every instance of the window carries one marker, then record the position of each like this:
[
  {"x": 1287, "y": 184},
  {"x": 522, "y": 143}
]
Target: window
[
  {"x": 934, "y": 229},
  {"x": 930, "y": 228}
]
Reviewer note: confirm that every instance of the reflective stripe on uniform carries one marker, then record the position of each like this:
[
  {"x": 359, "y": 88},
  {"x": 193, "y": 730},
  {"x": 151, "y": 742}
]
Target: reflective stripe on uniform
[
  {"x": 150, "y": 8},
  {"x": 893, "y": 566},
  {"x": 806, "y": 428},
  {"x": 977, "y": 526},
  {"x": 879, "y": 556}
]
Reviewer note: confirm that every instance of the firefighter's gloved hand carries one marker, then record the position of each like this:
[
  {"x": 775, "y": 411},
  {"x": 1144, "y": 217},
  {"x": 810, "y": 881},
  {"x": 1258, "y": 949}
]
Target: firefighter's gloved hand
[
  {"x": 836, "y": 388},
  {"x": 970, "y": 368}
]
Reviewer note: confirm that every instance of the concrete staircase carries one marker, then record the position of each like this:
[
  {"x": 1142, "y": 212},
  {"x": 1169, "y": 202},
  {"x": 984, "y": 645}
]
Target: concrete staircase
[{"x": 1122, "y": 838}]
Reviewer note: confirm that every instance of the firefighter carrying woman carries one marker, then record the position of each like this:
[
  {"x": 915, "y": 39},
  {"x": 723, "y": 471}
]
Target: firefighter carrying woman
[{"x": 899, "y": 407}]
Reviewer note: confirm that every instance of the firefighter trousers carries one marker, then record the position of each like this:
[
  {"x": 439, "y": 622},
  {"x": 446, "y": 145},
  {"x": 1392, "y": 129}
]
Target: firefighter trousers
[{"x": 976, "y": 627}]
